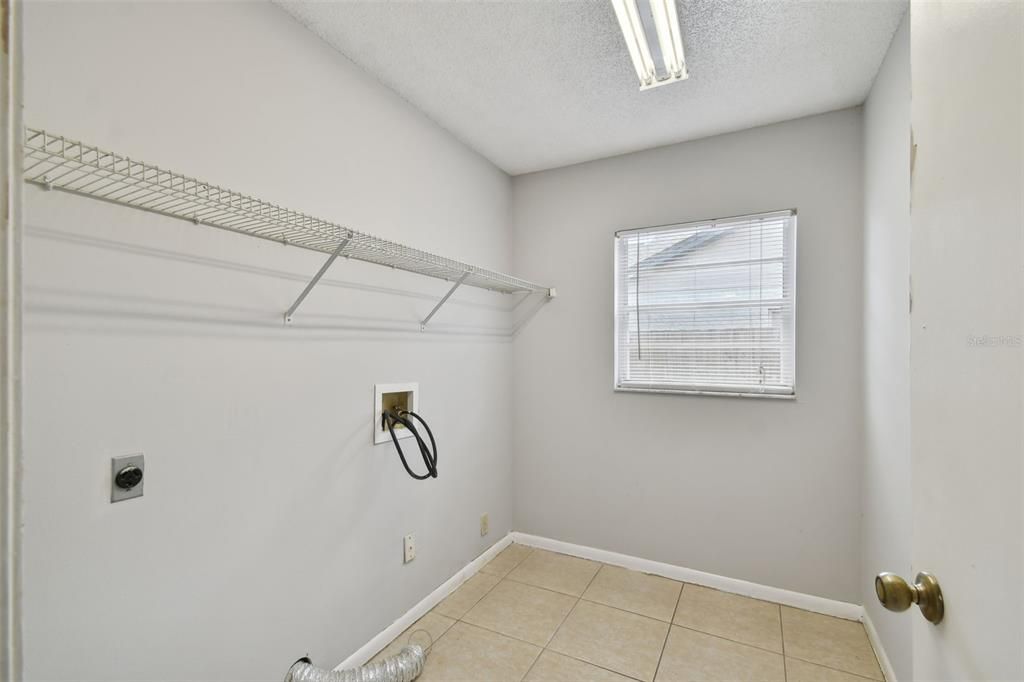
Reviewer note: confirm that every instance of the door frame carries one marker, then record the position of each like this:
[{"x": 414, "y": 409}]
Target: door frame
[{"x": 10, "y": 339}]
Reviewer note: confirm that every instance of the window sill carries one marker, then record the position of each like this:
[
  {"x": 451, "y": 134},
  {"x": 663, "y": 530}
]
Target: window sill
[{"x": 716, "y": 394}]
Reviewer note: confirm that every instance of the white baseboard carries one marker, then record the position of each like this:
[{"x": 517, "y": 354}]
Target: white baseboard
[
  {"x": 385, "y": 637},
  {"x": 829, "y": 607},
  {"x": 876, "y": 644}
]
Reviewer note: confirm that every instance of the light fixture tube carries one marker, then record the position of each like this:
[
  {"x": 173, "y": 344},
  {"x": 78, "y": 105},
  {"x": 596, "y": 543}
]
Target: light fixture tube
[
  {"x": 666, "y": 25},
  {"x": 636, "y": 40},
  {"x": 666, "y": 22}
]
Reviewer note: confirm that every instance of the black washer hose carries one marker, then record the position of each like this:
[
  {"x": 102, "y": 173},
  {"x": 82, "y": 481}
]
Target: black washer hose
[{"x": 392, "y": 417}]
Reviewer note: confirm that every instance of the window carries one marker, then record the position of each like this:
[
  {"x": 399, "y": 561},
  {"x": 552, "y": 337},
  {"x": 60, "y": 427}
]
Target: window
[{"x": 707, "y": 307}]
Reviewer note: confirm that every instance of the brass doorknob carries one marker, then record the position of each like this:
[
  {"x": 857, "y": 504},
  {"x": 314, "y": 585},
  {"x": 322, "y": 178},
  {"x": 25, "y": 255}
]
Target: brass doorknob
[{"x": 896, "y": 595}]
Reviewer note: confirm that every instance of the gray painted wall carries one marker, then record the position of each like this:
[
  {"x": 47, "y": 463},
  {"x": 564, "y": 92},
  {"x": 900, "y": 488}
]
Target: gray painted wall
[
  {"x": 758, "y": 489},
  {"x": 887, "y": 522},
  {"x": 270, "y": 526}
]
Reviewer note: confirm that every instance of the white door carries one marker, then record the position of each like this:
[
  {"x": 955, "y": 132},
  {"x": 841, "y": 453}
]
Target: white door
[{"x": 967, "y": 259}]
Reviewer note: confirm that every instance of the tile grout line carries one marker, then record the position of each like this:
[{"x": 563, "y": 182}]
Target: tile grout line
[
  {"x": 555, "y": 633},
  {"x": 544, "y": 648},
  {"x": 491, "y": 589},
  {"x": 642, "y": 615},
  {"x": 583, "y": 660},
  {"x": 507, "y": 573},
  {"x": 506, "y": 577},
  {"x": 433, "y": 644},
  {"x": 514, "y": 639},
  {"x": 600, "y": 567},
  {"x": 578, "y": 601},
  {"x": 541, "y": 587},
  {"x": 432, "y": 640},
  {"x": 501, "y": 579},
  {"x": 502, "y": 634},
  {"x": 595, "y": 665},
  {"x": 782, "y": 638},
  {"x": 478, "y": 600},
  {"x": 833, "y": 668},
  {"x": 518, "y": 639},
  {"x": 523, "y": 582},
  {"x": 734, "y": 641},
  {"x": 538, "y": 587},
  {"x": 549, "y": 589},
  {"x": 569, "y": 613},
  {"x": 635, "y": 613},
  {"x": 559, "y": 627},
  {"x": 671, "y": 622},
  {"x": 601, "y": 603},
  {"x": 533, "y": 665}
]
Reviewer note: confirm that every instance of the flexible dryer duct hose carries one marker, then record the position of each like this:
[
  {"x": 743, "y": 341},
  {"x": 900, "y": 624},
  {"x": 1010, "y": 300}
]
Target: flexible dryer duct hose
[{"x": 404, "y": 667}]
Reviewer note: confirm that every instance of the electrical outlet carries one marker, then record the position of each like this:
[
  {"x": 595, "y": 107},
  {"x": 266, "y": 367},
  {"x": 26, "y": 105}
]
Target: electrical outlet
[
  {"x": 126, "y": 477},
  {"x": 410, "y": 548},
  {"x": 485, "y": 525}
]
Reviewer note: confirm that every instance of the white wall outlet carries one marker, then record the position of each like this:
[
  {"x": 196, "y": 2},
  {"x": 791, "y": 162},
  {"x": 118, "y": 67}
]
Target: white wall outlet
[
  {"x": 485, "y": 525},
  {"x": 410, "y": 548}
]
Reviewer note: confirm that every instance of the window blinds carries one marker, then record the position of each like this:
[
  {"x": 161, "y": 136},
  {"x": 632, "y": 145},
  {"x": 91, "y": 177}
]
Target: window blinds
[{"x": 707, "y": 306}]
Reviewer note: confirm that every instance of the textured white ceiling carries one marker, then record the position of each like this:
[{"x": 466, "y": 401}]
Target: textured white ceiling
[{"x": 535, "y": 85}]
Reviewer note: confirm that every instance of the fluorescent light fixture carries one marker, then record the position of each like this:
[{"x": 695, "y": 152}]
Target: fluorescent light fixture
[{"x": 662, "y": 14}]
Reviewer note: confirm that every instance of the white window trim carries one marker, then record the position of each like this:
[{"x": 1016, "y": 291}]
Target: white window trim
[{"x": 694, "y": 390}]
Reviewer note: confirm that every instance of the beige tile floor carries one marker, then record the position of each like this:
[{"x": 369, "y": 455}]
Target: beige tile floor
[{"x": 539, "y": 616}]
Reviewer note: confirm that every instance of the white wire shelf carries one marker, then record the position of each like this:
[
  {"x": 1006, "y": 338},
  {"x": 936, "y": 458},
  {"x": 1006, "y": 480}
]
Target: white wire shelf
[{"x": 56, "y": 162}]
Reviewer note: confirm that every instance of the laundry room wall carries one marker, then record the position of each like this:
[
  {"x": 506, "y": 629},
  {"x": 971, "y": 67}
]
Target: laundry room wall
[
  {"x": 760, "y": 489},
  {"x": 270, "y": 527},
  {"x": 885, "y": 502}
]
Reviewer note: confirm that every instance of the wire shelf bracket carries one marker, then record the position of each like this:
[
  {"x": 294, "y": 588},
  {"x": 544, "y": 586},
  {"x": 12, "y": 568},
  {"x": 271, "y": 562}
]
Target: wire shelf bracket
[
  {"x": 313, "y": 282},
  {"x": 423, "y": 324},
  {"x": 56, "y": 162}
]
